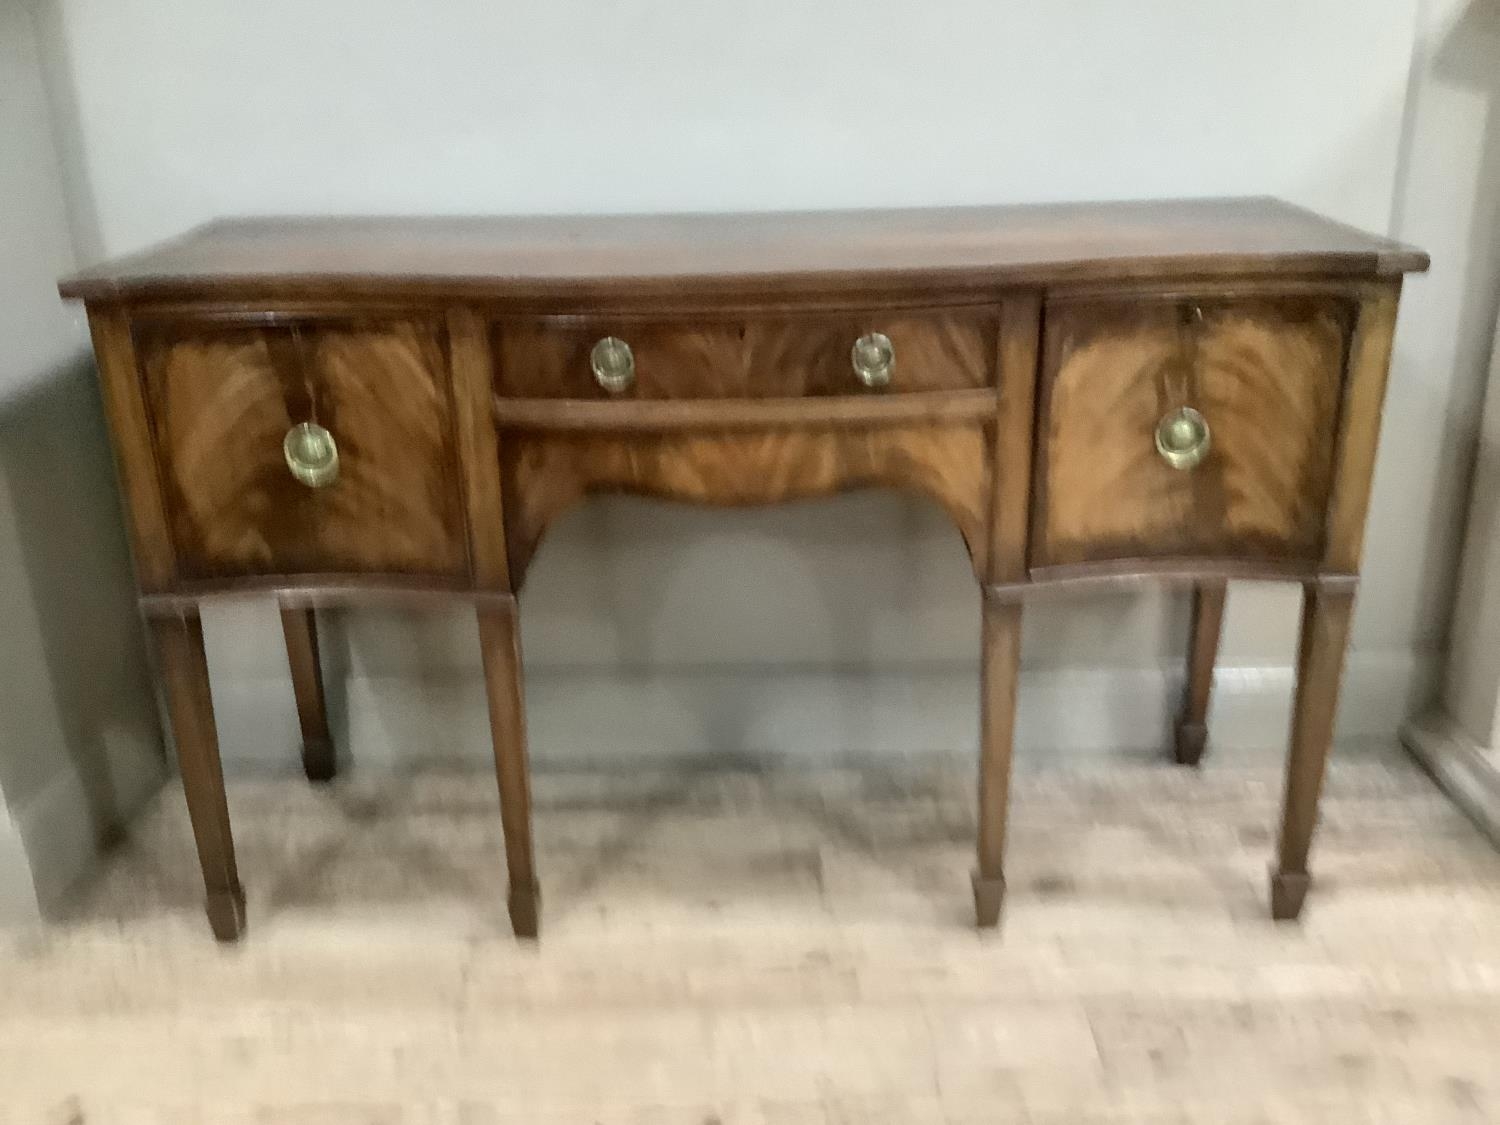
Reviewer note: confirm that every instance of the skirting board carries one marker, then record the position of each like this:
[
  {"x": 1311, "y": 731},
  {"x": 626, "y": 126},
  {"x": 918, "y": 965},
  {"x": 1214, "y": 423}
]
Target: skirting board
[
  {"x": 61, "y": 830},
  {"x": 1467, "y": 772},
  {"x": 18, "y": 901},
  {"x": 588, "y": 718}
]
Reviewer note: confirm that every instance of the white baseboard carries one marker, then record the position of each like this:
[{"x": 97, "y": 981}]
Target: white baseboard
[
  {"x": 18, "y": 902},
  {"x": 581, "y": 717},
  {"x": 1468, "y": 772},
  {"x": 64, "y": 826},
  {"x": 586, "y": 718}
]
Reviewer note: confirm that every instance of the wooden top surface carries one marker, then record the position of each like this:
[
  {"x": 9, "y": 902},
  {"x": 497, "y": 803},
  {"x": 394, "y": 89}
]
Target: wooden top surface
[{"x": 955, "y": 246}]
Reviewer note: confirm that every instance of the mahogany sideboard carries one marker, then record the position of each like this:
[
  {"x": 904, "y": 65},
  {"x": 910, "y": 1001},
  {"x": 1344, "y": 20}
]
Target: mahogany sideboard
[{"x": 332, "y": 410}]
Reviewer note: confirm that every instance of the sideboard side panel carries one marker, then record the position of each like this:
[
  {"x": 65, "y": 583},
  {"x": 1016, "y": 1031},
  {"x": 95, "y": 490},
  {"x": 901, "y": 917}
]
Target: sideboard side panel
[
  {"x": 125, "y": 406},
  {"x": 1359, "y": 427}
]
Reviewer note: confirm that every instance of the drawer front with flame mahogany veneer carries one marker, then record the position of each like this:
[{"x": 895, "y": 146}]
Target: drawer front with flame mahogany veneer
[
  {"x": 319, "y": 447},
  {"x": 349, "y": 410},
  {"x": 1175, "y": 427},
  {"x": 879, "y": 351}
]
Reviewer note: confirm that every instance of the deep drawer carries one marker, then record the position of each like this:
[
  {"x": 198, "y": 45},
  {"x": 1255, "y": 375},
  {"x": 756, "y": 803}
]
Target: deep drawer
[
  {"x": 222, "y": 401},
  {"x": 1187, "y": 427}
]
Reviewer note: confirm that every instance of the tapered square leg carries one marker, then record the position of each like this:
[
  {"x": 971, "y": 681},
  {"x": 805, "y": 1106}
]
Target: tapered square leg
[
  {"x": 524, "y": 906},
  {"x": 1000, "y": 666},
  {"x": 300, "y": 627},
  {"x": 500, "y": 644},
  {"x": 1288, "y": 891},
  {"x": 989, "y": 897},
  {"x": 1320, "y": 664},
  {"x": 226, "y": 914},
  {"x": 1203, "y": 651},
  {"x": 179, "y": 641}
]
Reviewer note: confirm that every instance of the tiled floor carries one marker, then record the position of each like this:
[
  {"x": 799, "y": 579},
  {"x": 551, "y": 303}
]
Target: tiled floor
[{"x": 779, "y": 947}]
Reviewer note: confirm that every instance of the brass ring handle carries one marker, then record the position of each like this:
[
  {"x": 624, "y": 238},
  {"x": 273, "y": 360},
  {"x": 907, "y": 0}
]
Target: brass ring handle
[
  {"x": 311, "y": 454},
  {"x": 1183, "y": 438},
  {"x": 613, "y": 364},
  {"x": 874, "y": 359}
]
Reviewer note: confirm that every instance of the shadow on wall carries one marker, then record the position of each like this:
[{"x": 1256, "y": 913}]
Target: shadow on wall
[{"x": 69, "y": 535}]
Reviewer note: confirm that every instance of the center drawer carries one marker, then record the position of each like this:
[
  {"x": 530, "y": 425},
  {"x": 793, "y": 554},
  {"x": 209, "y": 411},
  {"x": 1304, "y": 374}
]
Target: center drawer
[{"x": 758, "y": 356}]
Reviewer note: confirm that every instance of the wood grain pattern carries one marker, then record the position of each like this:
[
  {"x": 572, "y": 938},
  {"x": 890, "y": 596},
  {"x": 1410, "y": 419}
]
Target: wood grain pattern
[
  {"x": 738, "y": 357},
  {"x": 130, "y": 429},
  {"x": 1320, "y": 666},
  {"x": 999, "y": 676},
  {"x": 1191, "y": 731},
  {"x": 582, "y": 261},
  {"x": 1265, "y": 373},
  {"x": 184, "y": 668},
  {"x": 718, "y": 415},
  {"x": 500, "y": 647},
  {"x": 1015, "y": 424},
  {"x": 478, "y": 451},
  {"x": 299, "y": 627},
  {"x": 221, "y": 402},
  {"x": 1359, "y": 428},
  {"x": 544, "y": 475}
]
